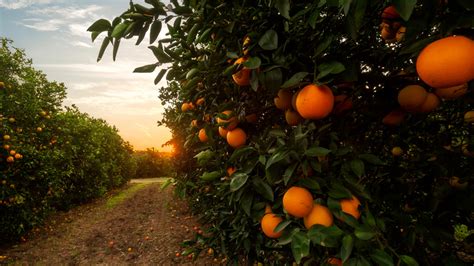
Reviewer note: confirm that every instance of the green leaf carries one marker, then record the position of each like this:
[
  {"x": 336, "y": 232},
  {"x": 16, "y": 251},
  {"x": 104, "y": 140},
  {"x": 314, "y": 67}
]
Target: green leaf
[
  {"x": 166, "y": 183},
  {"x": 192, "y": 33},
  {"x": 204, "y": 36},
  {"x": 283, "y": 7},
  {"x": 313, "y": 18},
  {"x": 346, "y": 248},
  {"x": 240, "y": 153},
  {"x": 317, "y": 151},
  {"x": 372, "y": 159},
  {"x": 160, "y": 54},
  {"x": 289, "y": 172},
  {"x": 160, "y": 76},
  {"x": 322, "y": 46},
  {"x": 263, "y": 188},
  {"x": 309, "y": 183},
  {"x": 246, "y": 202},
  {"x": 142, "y": 33},
  {"x": 281, "y": 226},
  {"x": 331, "y": 67},
  {"x": 269, "y": 40},
  {"x": 191, "y": 73},
  {"x": 273, "y": 79},
  {"x": 404, "y": 8},
  {"x": 209, "y": 176},
  {"x": 100, "y": 26},
  {"x": 116, "y": 47},
  {"x": 408, "y": 260},
  {"x": 155, "y": 31},
  {"x": 364, "y": 233},
  {"x": 104, "y": 45},
  {"x": 416, "y": 47},
  {"x": 119, "y": 30},
  {"x": 338, "y": 191},
  {"x": 300, "y": 246},
  {"x": 204, "y": 157},
  {"x": 252, "y": 63},
  {"x": 276, "y": 157},
  {"x": 358, "y": 167},
  {"x": 295, "y": 80},
  {"x": 238, "y": 181},
  {"x": 467, "y": 4},
  {"x": 381, "y": 257},
  {"x": 145, "y": 69},
  {"x": 94, "y": 35},
  {"x": 325, "y": 236}
]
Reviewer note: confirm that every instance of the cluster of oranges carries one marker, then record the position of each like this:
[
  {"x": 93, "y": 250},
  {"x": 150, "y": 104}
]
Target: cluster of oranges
[
  {"x": 298, "y": 202},
  {"x": 445, "y": 65}
]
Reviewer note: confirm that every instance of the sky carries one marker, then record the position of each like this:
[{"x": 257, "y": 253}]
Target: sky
[{"x": 53, "y": 34}]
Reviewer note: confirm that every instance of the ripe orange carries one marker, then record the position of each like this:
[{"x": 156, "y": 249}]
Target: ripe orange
[
  {"x": 351, "y": 206},
  {"x": 335, "y": 261},
  {"x": 10, "y": 159},
  {"x": 12, "y": 152},
  {"x": 17, "y": 156},
  {"x": 412, "y": 97},
  {"x": 283, "y": 99},
  {"x": 293, "y": 118},
  {"x": 394, "y": 118},
  {"x": 468, "y": 117},
  {"x": 242, "y": 77},
  {"x": 298, "y": 201},
  {"x": 202, "y": 135},
  {"x": 342, "y": 103},
  {"x": 432, "y": 102},
  {"x": 447, "y": 62},
  {"x": 319, "y": 215},
  {"x": 200, "y": 101},
  {"x": 39, "y": 129},
  {"x": 236, "y": 138},
  {"x": 452, "y": 93},
  {"x": 229, "y": 123},
  {"x": 293, "y": 100},
  {"x": 223, "y": 132},
  {"x": 185, "y": 107},
  {"x": 231, "y": 170},
  {"x": 11, "y": 119},
  {"x": 6, "y": 147},
  {"x": 269, "y": 222},
  {"x": 397, "y": 151},
  {"x": 6, "y": 137},
  {"x": 314, "y": 102}
]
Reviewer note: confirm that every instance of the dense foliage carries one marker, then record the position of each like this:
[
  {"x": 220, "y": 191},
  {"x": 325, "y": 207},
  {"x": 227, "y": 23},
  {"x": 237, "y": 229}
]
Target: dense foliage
[
  {"x": 412, "y": 171},
  {"x": 50, "y": 157},
  {"x": 151, "y": 163}
]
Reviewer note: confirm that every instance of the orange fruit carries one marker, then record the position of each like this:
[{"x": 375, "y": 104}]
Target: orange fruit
[
  {"x": 6, "y": 137},
  {"x": 231, "y": 170},
  {"x": 335, "y": 261},
  {"x": 6, "y": 147},
  {"x": 17, "y": 156},
  {"x": 390, "y": 13},
  {"x": 202, "y": 135},
  {"x": 468, "y": 118},
  {"x": 2, "y": 85},
  {"x": 400, "y": 34},
  {"x": 394, "y": 118},
  {"x": 223, "y": 132},
  {"x": 236, "y": 138},
  {"x": 319, "y": 215},
  {"x": 229, "y": 123},
  {"x": 269, "y": 222},
  {"x": 451, "y": 93},
  {"x": 397, "y": 151},
  {"x": 293, "y": 100},
  {"x": 292, "y": 117},
  {"x": 342, "y": 103},
  {"x": 412, "y": 97},
  {"x": 200, "y": 101},
  {"x": 447, "y": 62},
  {"x": 283, "y": 99},
  {"x": 185, "y": 107},
  {"x": 39, "y": 129},
  {"x": 432, "y": 102},
  {"x": 298, "y": 201},
  {"x": 251, "y": 118},
  {"x": 10, "y": 159},
  {"x": 12, "y": 152},
  {"x": 351, "y": 206},
  {"x": 242, "y": 77},
  {"x": 314, "y": 102}
]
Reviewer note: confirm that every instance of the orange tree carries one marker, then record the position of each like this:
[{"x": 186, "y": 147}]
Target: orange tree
[
  {"x": 151, "y": 163},
  {"x": 50, "y": 158},
  {"x": 303, "y": 130}
]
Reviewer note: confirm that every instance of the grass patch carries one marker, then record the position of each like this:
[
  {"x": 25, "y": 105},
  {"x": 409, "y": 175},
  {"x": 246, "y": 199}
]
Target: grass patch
[{"x": 123, "y": 195}]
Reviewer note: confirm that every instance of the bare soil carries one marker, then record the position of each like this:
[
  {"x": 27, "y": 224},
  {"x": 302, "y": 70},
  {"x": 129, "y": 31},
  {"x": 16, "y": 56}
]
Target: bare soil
[{"x": 146, "y": 229}]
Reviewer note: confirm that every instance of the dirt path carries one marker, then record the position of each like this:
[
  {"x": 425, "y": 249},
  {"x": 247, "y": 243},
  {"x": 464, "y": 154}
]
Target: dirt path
[{"x": 147, "y": 228}]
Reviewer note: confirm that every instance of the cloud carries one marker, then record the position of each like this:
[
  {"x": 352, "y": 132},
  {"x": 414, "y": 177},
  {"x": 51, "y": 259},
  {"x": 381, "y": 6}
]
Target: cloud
[
  {"x": 45, "y": 25},
  {"x": 81, "y": 44},
  {"x": 17, "y": 4}
]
